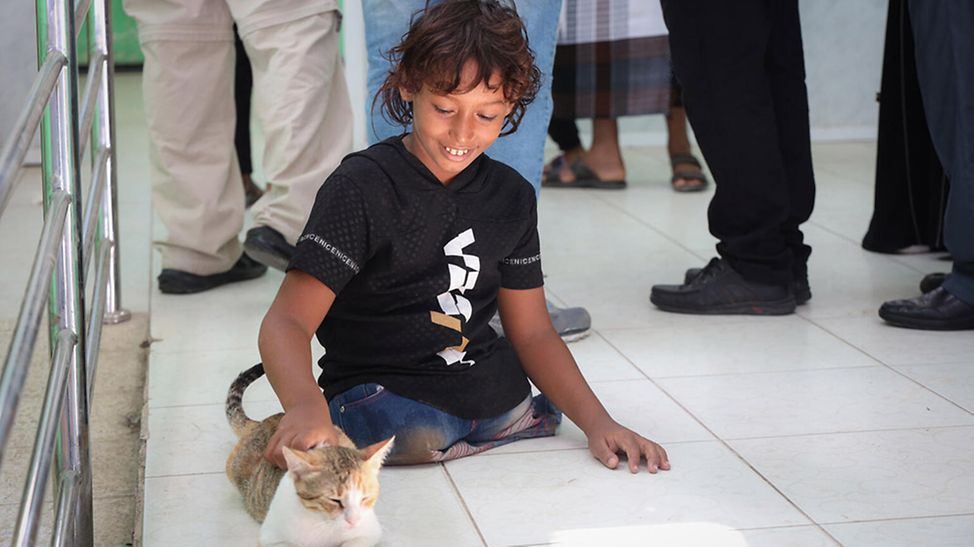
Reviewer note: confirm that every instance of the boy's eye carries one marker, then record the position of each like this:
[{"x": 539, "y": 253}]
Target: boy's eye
[
  {"x": 487, "y": 118},
  {"x": 441, "y": 110}
]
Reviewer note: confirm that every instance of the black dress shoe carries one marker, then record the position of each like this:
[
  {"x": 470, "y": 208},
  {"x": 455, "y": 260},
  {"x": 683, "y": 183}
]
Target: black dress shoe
[
  {"x": 718, "y": 289},
  {"x": 799, "y": 287},
  {"x": 931, "y": 282},
  {"x": 936, "y": 310},
  {"x": 267, "y": 246},
  {"x": 179, "y": 282}
]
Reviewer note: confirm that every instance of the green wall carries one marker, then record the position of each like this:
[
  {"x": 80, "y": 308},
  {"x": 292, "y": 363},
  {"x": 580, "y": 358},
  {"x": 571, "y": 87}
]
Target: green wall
[{"x": 125, "y": 39}]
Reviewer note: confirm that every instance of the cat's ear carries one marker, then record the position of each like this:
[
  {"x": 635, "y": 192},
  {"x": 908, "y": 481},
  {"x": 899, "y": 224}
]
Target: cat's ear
[
  {"x": 295, "y": 460},
  {"x": 376, "y": 453}
]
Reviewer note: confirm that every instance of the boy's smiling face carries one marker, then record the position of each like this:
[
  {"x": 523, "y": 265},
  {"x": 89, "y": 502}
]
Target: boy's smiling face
[{"x": 450, "y": 131}]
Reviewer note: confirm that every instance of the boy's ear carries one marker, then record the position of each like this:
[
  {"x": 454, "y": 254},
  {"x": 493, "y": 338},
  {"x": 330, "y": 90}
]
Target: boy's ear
[{"x": 406, "y": 94}]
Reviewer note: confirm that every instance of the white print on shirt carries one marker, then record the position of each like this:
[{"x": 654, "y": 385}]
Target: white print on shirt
[
  {"x": 344, "y": 258},
  {"x": 452, "y": 303}
]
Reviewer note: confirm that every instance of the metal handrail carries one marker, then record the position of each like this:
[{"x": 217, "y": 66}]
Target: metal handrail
[
  {"x": 95, "y": 194},
  {"x": 40, "y": 460},
  {"x": 61, "y": 261},
  {"x": 88, "y": 103},
  {"x": 14, "y": 152},
  {"x": 80, "y": 14},
  {"x": 93, "y": 336},
  {"x": 29, "y": 319}
]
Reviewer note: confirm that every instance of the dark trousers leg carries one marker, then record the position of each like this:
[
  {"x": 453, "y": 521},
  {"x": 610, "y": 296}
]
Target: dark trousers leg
[
  {"x": 564, "y": 132},
  {"x": 742, "y": 70},
  {"x": 243, "y": 86},
  {"x": 944, "y": 35}
]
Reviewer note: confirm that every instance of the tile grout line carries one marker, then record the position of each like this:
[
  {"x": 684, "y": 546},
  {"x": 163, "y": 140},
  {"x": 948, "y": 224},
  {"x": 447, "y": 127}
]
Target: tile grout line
[
  {"x": 463, "y": 502},
  {"x": 889, "y": 367},
  {"x": 727, "y": 446}
]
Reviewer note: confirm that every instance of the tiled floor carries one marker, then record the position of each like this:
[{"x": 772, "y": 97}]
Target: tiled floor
[{"x": 822, "y": 428}]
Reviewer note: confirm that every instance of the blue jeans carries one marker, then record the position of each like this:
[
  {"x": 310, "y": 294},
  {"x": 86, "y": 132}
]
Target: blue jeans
[
  {"x": 387, "y": 20},
  {"x": 369, "y": 413}
]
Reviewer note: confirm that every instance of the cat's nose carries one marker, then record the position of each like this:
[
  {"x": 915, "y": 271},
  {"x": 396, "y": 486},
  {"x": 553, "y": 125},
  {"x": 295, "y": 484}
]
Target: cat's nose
[{"x": 352, "y": 520}]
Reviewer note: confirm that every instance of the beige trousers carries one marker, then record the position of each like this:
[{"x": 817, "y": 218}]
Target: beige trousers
[{"x": 300, "y": 98}]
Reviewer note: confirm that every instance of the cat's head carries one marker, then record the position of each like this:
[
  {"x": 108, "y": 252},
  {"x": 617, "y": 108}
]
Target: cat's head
[{"x": 342, "y": 483}]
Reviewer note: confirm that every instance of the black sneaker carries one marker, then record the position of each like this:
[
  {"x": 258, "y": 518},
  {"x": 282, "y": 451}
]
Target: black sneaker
[
  {"x": 267, "y": 246},
  {"x": 719, "y": 290},
  {"x": 936, "y": 310},
  {"x": 799, "y": 287},
  {"x": 179, "y": 282}
]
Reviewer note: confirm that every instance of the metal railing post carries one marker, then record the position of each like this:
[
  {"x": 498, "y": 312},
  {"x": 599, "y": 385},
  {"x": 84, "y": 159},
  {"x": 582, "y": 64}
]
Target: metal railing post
[
  {"x": 103, "y": 137},
  {"x": 61, "y": 168}
]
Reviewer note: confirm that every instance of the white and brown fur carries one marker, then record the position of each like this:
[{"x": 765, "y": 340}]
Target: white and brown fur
[{"x": 330, "y": 491}]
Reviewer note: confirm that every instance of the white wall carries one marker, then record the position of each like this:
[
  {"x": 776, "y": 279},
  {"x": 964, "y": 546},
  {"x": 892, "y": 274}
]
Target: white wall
[{"x": 18, "y": 65}]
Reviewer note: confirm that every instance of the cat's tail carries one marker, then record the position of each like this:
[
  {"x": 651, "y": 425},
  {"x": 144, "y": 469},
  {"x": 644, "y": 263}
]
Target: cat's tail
[{"x": 235, "y": 413}]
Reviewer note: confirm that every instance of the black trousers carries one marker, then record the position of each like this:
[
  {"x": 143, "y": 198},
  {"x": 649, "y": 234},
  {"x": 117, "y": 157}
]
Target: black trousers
[
  {"x": 944, "y": 34},
  {"x": 742, "y": 69}
]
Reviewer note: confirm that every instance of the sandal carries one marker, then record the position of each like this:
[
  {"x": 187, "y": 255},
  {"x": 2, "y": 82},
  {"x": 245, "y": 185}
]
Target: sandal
[
  {"x": 584, "y": 178},
  {"x": 553, "y": 166},
  {"x": 697, "y": 181}
]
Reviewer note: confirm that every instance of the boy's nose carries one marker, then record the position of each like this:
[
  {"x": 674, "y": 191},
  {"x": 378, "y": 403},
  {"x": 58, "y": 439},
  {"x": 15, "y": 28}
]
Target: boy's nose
[{"x": 463, "y": 130}]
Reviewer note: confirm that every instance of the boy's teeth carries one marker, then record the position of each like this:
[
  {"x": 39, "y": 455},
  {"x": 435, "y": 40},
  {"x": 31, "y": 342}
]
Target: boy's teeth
[{"x": 455, "y": 151}]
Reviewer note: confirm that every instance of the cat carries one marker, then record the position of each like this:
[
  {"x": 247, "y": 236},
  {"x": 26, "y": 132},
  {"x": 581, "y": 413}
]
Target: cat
[{"x": 326, "y": 496}]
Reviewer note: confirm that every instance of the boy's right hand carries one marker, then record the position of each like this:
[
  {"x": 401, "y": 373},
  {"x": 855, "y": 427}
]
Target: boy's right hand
[{"x": 303, "y": 427}]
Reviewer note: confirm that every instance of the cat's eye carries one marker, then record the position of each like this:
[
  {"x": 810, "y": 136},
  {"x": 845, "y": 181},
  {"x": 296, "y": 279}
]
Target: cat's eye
[{"x": 337, "y": 502}]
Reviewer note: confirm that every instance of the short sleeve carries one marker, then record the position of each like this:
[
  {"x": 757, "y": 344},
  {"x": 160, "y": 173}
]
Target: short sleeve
[
  {"x": 335, "y": 242},
  {"x": 521, "y": 269}
]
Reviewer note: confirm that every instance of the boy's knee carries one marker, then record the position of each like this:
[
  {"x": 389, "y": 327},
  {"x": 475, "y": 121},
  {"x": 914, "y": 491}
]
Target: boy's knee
[{"x": 416, "y": 446}]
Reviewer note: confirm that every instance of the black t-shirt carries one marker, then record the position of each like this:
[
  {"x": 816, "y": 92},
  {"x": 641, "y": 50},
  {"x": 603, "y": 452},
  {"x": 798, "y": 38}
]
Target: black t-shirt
[{"x": 416, "y": 267}]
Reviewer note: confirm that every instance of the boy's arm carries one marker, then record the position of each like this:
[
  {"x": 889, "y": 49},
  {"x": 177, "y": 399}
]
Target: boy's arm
[
  {"x": 285, "y": 348},
  {"x": 551, "y": 367}
]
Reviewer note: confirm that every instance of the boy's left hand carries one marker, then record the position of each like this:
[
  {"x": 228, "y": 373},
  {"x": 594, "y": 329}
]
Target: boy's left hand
[{"x": 608, "y": 441}]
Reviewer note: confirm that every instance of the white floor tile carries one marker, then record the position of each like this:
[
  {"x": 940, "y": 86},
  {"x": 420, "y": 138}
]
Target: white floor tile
[
  {"x": 519, "y": 499},
  {"x": 225, "y": 318},
  {"x": 942, "y": 532},
  {"x": 694, "y": 345},
  {"x": 615, "y": 289},
  {"x": 815, "y": 401},
  {"x": 873, "y": 475},
  {"x": 795, "y": 536},
  {"x": 419, "y": 506},
  {"x": 693, "y": 534},
  {"x": 599, "y": 361},
  {"x": 897, "y": 346},
  {"x": 847, "y": 281},
  {"x": 196, "y": 377},
  {"x": 188, "y": 440},
  {"x": 200, "y": 509},
  {"x": 206, "y": 509},
  {"x": 636, "y": 404},
  {"x": 954, "y": 381}
]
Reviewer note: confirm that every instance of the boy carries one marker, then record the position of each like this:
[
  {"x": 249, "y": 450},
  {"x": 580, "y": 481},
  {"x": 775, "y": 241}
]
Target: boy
[{"x": 411, "y": 246}]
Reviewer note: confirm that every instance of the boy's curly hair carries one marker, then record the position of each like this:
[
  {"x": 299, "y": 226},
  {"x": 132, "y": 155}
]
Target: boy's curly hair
[{"x": 443, "y": 38}]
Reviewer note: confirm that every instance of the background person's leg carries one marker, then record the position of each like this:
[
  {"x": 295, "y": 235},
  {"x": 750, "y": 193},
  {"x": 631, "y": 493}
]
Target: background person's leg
[
  {"x": 302, "y": 102},
  {"x": 385, "y": 23},
  {"x": 719, "y": 51},
  {"x": 786, "y": 71},
  {"x": 196, "y": 186}
]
